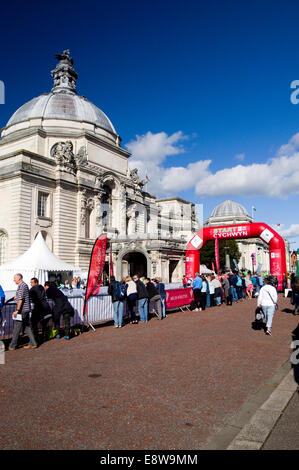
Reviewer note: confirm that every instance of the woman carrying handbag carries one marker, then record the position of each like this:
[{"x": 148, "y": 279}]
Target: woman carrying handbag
[{"x": 267, "y": 300}]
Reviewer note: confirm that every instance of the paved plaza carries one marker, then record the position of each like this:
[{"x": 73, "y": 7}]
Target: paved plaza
[{"x": 171, "y": 384}]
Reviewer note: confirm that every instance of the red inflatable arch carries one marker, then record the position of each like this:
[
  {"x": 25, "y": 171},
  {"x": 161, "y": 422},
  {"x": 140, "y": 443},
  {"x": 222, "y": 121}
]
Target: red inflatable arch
[{"x": 256, "y": 230}]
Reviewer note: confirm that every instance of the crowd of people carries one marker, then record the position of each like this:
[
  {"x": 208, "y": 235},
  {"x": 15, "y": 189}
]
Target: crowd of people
[
  {"x": 76, "y": 283},
  {"x": 28, "y": 319},
  {"x": 146, "y": 294},
  {"x": 233, "y": 287},
  {"x": 142, "y": 294}
]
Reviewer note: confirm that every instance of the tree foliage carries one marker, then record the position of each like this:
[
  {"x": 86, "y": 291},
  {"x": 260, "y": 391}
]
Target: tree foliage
[{"x": 207, "y": 253}]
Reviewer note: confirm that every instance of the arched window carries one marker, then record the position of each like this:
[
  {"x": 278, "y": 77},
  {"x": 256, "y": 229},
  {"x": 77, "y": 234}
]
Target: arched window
[{"x": 3, "y": 247}]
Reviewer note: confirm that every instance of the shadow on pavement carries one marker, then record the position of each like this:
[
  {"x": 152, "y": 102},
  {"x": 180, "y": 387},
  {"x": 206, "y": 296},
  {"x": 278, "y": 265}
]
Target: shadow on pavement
[
  {"x": 258, "y": 325},
  {"x": 288, "y": 310}
]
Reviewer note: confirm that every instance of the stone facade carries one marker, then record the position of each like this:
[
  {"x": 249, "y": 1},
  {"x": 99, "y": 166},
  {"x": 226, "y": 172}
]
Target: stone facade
[{"x": 63, "y": 172}]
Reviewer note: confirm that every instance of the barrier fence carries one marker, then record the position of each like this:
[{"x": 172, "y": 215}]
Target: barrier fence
[{"x": 99, "y": 307}]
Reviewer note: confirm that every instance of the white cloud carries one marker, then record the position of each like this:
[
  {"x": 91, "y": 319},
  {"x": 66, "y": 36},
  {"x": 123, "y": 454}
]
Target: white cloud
[
  {"x": 292, "y": 231},
  {"x": 150, "y": 151},
  {"x": 154, "y": 148},
  {"x": 179, "y": 178},
  {"x": 278, "y": 177},
  {"x": 290, "y": 147}
]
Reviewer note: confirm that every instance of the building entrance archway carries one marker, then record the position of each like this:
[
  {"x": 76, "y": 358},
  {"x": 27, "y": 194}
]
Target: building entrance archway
[
  {"x": 134, "y": 262},
  {"x": 276, "y": 244}
]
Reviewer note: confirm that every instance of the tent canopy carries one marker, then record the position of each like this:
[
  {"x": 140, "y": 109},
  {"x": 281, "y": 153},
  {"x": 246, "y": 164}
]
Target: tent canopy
[
  {"x": 37, "y": 261},
  {"x": 205, "y": 270}
]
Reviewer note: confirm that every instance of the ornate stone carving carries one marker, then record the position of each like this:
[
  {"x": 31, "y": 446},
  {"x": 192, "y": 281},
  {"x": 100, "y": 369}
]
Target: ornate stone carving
[
  {"x": 98, "y": 208},
  {"x": 90, "y": 203},
  {"x": 81, "y": 157},
  {"x": 132, "y": 222},
  {"x": 63, "y": 153},
  {"x": 137, "y": 182},
  {"x": 64, "y": 74},
  {"x": 83, "y": 201},
  {"x": 65, "y": 158}
]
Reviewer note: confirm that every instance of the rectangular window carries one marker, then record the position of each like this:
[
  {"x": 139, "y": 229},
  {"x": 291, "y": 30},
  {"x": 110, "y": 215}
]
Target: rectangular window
[{"x": 42, "y": 205}]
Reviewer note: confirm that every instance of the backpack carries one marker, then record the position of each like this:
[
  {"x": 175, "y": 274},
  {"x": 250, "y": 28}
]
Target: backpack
[
  {"x": 119, "y": 291},
  {"x": 239, "y": 281}
]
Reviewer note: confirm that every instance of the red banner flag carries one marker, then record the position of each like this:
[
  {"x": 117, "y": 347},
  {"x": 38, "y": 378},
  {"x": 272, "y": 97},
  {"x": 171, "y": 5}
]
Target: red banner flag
[
  {"x": 217, "y": 254},
  {"x": 96, "y": 267}
]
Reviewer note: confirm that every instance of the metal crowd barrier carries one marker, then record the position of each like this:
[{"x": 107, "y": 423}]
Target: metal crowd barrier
[{"x": 99, "y": 309}]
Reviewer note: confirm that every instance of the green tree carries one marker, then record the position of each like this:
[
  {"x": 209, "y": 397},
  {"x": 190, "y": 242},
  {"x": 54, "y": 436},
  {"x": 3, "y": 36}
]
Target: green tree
[{"x": 207, "y": 253}]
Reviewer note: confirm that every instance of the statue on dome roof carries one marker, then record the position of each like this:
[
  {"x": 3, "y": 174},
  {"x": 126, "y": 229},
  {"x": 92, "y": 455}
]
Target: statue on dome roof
[
  {"x": 65, "y": 56},
  {"x": 64, "y": 74}
]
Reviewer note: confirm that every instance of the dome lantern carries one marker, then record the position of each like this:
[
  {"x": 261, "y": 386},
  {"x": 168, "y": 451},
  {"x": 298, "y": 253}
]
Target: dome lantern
[{"x": 64, "y": 74}]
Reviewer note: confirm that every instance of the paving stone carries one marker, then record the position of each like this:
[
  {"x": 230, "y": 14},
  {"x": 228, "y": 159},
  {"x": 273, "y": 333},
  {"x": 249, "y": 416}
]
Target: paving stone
[
  {"x": 169, "y": 385},
  {"x": 239, "y": 444},
  {"x": 288, "y": 383},
  {"x": 260, "y": 426},
  {"x": 278, "y": 400}
]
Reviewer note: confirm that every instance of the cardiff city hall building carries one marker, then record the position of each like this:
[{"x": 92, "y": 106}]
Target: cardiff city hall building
[{"x": 64, "y": 173}]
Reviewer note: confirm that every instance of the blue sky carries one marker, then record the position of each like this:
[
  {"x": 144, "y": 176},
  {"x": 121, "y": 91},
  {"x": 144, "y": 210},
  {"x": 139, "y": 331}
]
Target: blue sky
[{"x": 204, "y": 84}]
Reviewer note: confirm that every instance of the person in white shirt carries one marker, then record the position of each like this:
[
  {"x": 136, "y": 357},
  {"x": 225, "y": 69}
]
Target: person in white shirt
[
  {"x": 267, "y": 300},
  {"x": 131, "y": 298},
  {"x": 212, "y": 290}
]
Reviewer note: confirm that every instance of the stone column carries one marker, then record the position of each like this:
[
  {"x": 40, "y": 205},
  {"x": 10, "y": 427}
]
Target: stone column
[
  {"x": 82, "y": 201},
  {"x": 122, "y": 211},
  {"x": 98, "y": 213}
]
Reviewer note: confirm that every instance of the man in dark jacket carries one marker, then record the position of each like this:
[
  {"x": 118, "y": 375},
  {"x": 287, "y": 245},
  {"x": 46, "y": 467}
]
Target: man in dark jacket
[
  {"x": 61, "y": 307},
  {"x": 160, "y": 286},
  {"x": 41, "y": 311},
  {"x": 142, "y": 296},
  {"x": 154, "y": 297},
  {"x": 232, "y": 279},
  {"x": 117, "y": 293}
]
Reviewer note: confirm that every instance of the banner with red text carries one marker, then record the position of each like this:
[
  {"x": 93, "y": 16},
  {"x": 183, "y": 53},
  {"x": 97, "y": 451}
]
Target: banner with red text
[{"x": 178, "y": 297}]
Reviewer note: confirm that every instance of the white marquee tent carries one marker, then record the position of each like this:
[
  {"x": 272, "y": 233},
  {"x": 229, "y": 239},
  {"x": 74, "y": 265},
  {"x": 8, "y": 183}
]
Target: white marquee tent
[
  {"x": 37, "y": 261},
  {"x": 205, "y": 270}
]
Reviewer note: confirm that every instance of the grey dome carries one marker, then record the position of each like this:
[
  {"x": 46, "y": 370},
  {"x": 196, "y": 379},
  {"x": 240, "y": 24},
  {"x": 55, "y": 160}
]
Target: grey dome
[
  {"x": 229, "y": 208},
  {"x": 62, "y": 106}
]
